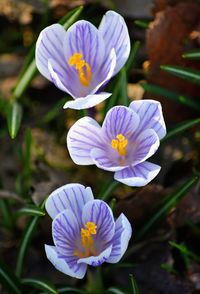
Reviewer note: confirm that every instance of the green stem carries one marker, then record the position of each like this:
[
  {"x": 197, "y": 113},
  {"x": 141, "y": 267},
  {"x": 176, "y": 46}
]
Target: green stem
[{"x": 106, "y": 194}]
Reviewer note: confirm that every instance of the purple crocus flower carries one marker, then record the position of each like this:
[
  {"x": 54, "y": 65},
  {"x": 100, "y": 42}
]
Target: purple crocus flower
[
  {"x": 83, "y": 59},
  {"x": 129, "y": 136},
  {"x": 84, "y": 231}
]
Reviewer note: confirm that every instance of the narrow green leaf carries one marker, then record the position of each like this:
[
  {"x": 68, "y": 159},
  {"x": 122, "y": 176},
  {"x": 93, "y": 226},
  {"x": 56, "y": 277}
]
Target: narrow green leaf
[
  {"x": 71, "y": 17},
  {"x": 181, "y": 128},
  {"x": 194, "y": 54},
  {"x": 183, "y": 72},
  {"x": 167, "y": 204},
  {"x": 144, "y": 24},
  {"x": 104, "y": 195},
  {"x": 8, "y": 280},
  {"x": 41, "y": 285},
  {"x": 184, "y": 250},
  {"x": 132, "y": 57},
  {"x": 6, "y": 213},
  {"x": 70, "y": 290},
  {"x": 123, "y": 87},
  {"x": 30, "y": 210},
  {"x": 14, "y": 118},
  {"x": 156, "y": 90},
  {"x": 26, "y": 239},
  {"x": 134, "y": 286},
  {"x": 115, "y": 291},
  {"x": 55, "y": 111}
]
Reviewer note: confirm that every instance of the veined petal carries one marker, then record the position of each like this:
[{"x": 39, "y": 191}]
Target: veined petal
[
  {"x": 87, "y": 102},
  {"x": 120, "y": 120},
  {"x": 82, "y": 137},
  {"x": 96, "y": 260},
  {"x": 70, "y": 196},
  {"x": 144, "y": 146},
  {"x": 77, "y": 271},
  {"x": 151, "y": 116},
  {"x": 50, "y": 45},
  {"x": 105, "y": 158},
  {"x": 139, "y": 175},
  {"x": 123, "y": 232},
  {"x": 115, "y": 34},
  {"x": 98, "y": 212},
  {"x": 66, "y": 232}
]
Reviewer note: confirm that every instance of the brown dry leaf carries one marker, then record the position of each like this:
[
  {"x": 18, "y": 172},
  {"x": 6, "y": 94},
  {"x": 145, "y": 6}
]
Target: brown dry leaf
[{"x": 166, "y": 40}]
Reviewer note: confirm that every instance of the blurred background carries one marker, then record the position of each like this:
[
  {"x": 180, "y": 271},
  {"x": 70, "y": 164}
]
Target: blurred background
[{"x": 164, "y": 255}]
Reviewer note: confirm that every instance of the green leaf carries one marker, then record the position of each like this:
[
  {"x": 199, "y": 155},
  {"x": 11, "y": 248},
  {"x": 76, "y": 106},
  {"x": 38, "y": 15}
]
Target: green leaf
[
  {"x": 194, "y": 54},
  {"x": 156, "y": 90},
  {"x": 185, "y": 251},
  {"x": 6, "y": 213},
  {"x": 132, "y": 57},
  {"x": 8, "y": 280},
  {"x": 14, "y": 118},
  {"x": 70, "y": 290},
  {"x": 144, "y": 24},
  {"x": 183, "y": 72},
  {"x": 26, "y": 239},
  {"x": 30, "y": 210},
  {"x": 41, "y": 285},
  {"x": 123, "y": 87},
  {"x": 71, "y": 17},
  {"x": 115, "y": 291},
  {"x": 105, "y": 194},
  {"x": 134, "y": 286},
  {"x": 166, "y": 205},
  {"x": 181, "y": 128},
  {"x": 55, "y": 111}
]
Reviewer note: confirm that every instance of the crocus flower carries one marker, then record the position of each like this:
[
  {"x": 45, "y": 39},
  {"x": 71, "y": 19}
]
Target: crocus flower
[
  {"x": 83, "y": 59},
  {"x": 129, "y": 136},
  {"x": 84, "y": 231}
]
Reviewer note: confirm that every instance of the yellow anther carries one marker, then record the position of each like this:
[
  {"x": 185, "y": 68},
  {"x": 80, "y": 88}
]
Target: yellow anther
[
  {"x": 83, "y": 68},
  {"x": 120, "y": 144},
  {"x": 92, "y": 228}
]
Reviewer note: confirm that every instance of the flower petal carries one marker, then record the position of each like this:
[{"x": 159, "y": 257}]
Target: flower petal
[
  {"x": 151, "y": 116},
  {"x": 77, "y": 271},
  {"x": 123, "y": 232},
  {"x": 82, "y": 137},
  {"x": 115, "y": 34},
  {"x": 144, "y": 146},
  {"x": 139, "y": 175},
  {"x": 66, "y": 231},
  {"x": 99, "y": 212},
  {"x": 88, "y": 101},
  {"x": 106, "y": 159},
  {"x": 120, "y": 120},
  {"x": 70, "y": 196},
  {"x": 96, "y": 260},
  {"x": 50, "y": 45}
]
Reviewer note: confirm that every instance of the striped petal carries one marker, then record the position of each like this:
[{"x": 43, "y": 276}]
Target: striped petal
[
  {"x": 70, "y": 196},
  {"x": 151, "y": 116},
  {"x": 66, "y": 231},
  {"x": 139, "y": 175},
  {"x": 96, "y": 260},
  {"x": 82, "y": 137},
  {"x": 144, "y": 146},
  {"x": 61, "y": 264},
  {"x": 99, "y": 212},
  {"x": 50, "y": 45},
  {"x": 120, "y": 120},
  {"x": 123, "y": 232},
  {"x": 115, "y": 34}
]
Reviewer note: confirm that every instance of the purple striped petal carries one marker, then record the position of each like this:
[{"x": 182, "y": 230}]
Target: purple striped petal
[
  {"x": 82, "y": 137},
  {"x": 50, "y": 45},
  {"x": 123, "y": 232},
  {"x": 99, "y": 212},
  {"x": 66, "y": 233},
  {"x": 151, "y": 116},
  {"x": 96, "y": 260},
  {"x": 76, "y": 271},
  {"x": 120, "y": 120},
  {"x": 115, "y": 34},
  {"x": 70, "y": 196},
  {"x": 106, "y": 159},
  {"x": 139, "y": 175},
  {"x": 144, "y": 146}
]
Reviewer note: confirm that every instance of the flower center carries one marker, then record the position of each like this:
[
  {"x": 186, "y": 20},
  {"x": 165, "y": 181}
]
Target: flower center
[
  {"x": 87, "y": 241},
  {"x": 120, "y": 144},
  {"x": 82, "y": 67}
]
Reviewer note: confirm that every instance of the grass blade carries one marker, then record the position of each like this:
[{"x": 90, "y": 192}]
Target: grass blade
[
  {"x": 185, "y": 251},
  {"x": 123, "y": 87},
  {"x": 14, "y": 118},
  {"x": 185, "y": 100},
  {"x": 104, "y": 195},
  {"x": 115, "y": 291},
  {"x": 30, "y": 210},
  {"x": 183, "y": 72},
  {"x": 8, "y": 280},
  {"x": 41, "y": 285},
  {"x": 71, "y": 17},
  {"x": 181, "y": 128},
  {"x": 132, "y": 57},
  {"x": 134, "y": 286},
  {"x": 70, "y": 290},
  {"x": 144, "y": 24},
  {"x": 194, "y": 54}
]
